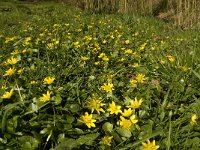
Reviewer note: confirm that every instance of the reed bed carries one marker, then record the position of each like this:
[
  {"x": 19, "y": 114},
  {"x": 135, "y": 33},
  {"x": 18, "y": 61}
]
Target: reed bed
[{"x": 184, "y": 13}]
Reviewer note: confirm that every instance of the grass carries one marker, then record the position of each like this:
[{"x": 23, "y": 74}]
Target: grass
[{"x": 65, "y": 63}]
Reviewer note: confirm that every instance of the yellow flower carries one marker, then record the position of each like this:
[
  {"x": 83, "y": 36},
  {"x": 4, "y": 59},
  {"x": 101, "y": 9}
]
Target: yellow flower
[
  {"x": 33, "y": 82},
  {"x": 184, "y": 68},
  {"x": 152, "y": 48},
  {"x": 150, "y": 146},
  {"x": 15, "y": 52},
  {"x": 125, "y": 123},
  {"x": 95, "y": 104},
  {"x": 4, "y": 86},
  {"x": 107, "y": 87},
  {"x": 87, "y": 119},
  {"x": 76, "y": 43},
  {"x": 97, "y": 63},
  {"x": 142, "y": 47},
  {"x": 48, "y": 80},
  {"x": 133, "y": 82},
  {"x": 140, "y": 78},
  {"x": 114, "y": 109},
  {"x": 135, "y": 103},
  {"x": 122, "y": 59},
  {"x": 171, "y": 58},
  {"x": 11, "y": 61},
  {"x": 20, "y": 71},
  {"x": 105, "y": 58},
  {"x": 136, "y": 34},
  {"x": 10, "y": 72},
  {"x": 128, "y": 51},
  {"x": 101, "y": 55},
  {"x": 112, "y": 37},
  {"x": 127, "y": 112},
  {"x": 104, "y": 41},
  {"x": 162, "y": 62},
  {"x": 133, "y": 120},
  {"x": 106, "y": 140},
  {"x": 7, "y": 95},
  {"x": 127, "y": 42},
  {"x": 84, "y": 58},
  {"x": 56, "y": 42},
  {"x": 135, "y": 65},
  {"x": 193, "y": 119},
  {"x": 45, "y": 97},
  {"x": 28, "y": 39},
  {"x": 50, "y": 45}
]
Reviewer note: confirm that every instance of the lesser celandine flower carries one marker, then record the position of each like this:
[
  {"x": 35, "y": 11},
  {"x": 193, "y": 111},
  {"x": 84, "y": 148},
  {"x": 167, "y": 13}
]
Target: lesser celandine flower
[
  {"x": 45, "y": 97},
  {"x": 122, "y": 59},
  {"x": 20, "y": 71},
  {"x": 127, "y": 112},
  {"x": 140, "y": 78},
  {"x": 150, "y": 145},
  {"x": 105, "y": 58},
  {"x": 135, "y": 65},
  {"x": 33, "y": 82},
  {"x": 128, "y": 51},
  {"x": 48, "y": 80},
  {"x": 104, "y": 41},
  {"x": 97, "y": 63},
  {"x": 193, "y": 119},
  {"x": 7, "y": 95},
  {"x": 107, "y": 87},
  {"x": 114, "y": 109},
  {"x": 171, "y": 58},
  {"x": 84, "y": 58},
  {"x": 125, "y": 123},
  {"x": 95, "y": 104},
  {"x": 50, "y": 45},
  {"x": 127, "y": 42},
  {"x": 11, "y": 61},
  {"x": 15, "y": 52},
  {"x": 135, "y": 103},
  {"x": 87, "y": 119},
  {"x": 10, "y": 72},
  {"x": 184, "y": 68},
  {"x": 133, "y": 119},
  {"x": 27, "y": 39},
  {"x": 101, "y": 55},
  {"x": 106, "y": 140},
  {"x": 77, "y": 44},
  {"x": 133, "y": 81}
]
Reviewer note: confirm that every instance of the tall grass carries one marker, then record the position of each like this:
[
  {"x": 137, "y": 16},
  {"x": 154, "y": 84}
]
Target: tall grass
[{"x": 183, "y": 13}]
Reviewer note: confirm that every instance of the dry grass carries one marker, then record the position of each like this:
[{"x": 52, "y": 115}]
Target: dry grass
[{"x": 182, "y": 13}]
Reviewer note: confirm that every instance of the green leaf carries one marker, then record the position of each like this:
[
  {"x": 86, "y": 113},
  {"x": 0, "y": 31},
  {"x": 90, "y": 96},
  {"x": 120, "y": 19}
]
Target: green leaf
[
  {"x": 74, "y": 108},
  {"x": 87, "y": 139},
  {"x": 71, "y": 143},
  {"x": 124, "y": 132},
  {"x": 70, "y": 119},
  {"x": 79, "y": 131},
  {"x": 28, "y": 142},
  {"x": 57, "y": 99},
  {"x": 107, "y": 127},
  {"x": 68, "y": 144},
  {"x": 116, "y": 137}
]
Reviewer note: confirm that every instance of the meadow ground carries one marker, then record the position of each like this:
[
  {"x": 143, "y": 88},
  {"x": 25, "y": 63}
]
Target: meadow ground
[{"x": 76, "y": 80}]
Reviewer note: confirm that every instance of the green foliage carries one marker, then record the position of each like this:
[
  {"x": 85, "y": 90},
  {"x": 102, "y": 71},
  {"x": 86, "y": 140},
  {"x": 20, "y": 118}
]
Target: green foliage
[{"x": 65, "y": 62}]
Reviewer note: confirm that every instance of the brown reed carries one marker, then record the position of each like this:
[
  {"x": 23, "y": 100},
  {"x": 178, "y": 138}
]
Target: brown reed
[{"x": 184, "y": 13}]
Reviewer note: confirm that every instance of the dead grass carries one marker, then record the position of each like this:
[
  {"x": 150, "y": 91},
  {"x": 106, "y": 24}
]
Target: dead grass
[{"x": 184, "y": 13}]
